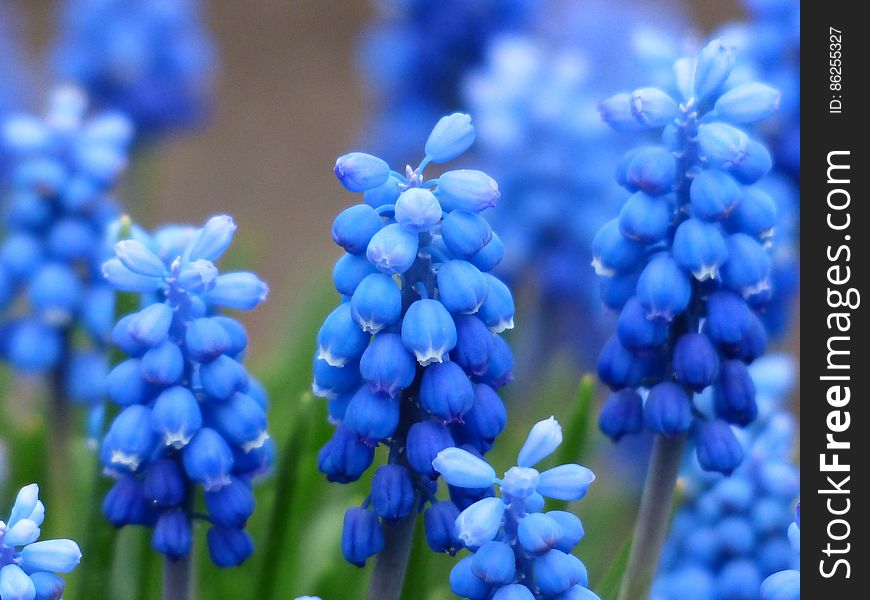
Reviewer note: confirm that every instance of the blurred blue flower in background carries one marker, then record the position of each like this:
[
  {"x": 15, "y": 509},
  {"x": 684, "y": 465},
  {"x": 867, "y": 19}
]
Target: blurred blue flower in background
[
  {"x": 14, "y": 83},
  {"x": 412, "y": 357},
  {"x": 786, "y": 584},
  {"x": 191, "y": 415},
  {"x": 413, "y": 59},
  {"x": 535, "y": 99},
  {"x": 152, "y": 59},
  {"x": 686, "y": 261},
  {"x": 769, "y": 46},
  {"x": 518, "y": 551},
  {"x": 770, "y": 39},
  {"x": 28, "y": 568},
  {"x": 63, "y": 169},
  {"x": 729, "y": 533}
]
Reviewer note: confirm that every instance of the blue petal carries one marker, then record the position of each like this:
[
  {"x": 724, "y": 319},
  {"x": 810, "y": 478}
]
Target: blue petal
[
  {"x": 139, "y": 259},
  {"x": 565, "y": 482},
  {"x": 15, "y": 584},
  {"x": 543, "y": 439},
  {"x": 213, "y": 239},
  {"x": 462, "y": 469},
  {"x": 480, "y": 522},
  {"x": 451, "y": 136},
  {"x": 55, "y": 556},
  {"x": 239, "y": 291},
  {"x": 125, "y": 280}
]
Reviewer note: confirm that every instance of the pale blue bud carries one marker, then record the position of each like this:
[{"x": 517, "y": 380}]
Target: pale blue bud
[
  {"x": 417, "y": 210},
  {"x": 213, "y": 239},
  {"x": 139, "y": 259},
  {"x": 480, "y": 522},
  {"x": 747, "y": 103},
  {"x": 715, "y": 63},
  {"x": 543, "y": 439},
  {"x": 467, "y": 189},
  {"x": 565, "y": 482},
  {"x": 652, "y": 107},
  {"x": 239, "y": 291},
  {"x": 359, "y": 172},
  {"x": 451, "y": 136}
]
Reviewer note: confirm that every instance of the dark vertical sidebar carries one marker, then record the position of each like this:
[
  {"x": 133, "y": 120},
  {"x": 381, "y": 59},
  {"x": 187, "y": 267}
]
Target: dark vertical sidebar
[{"x": 835, "y": 348}]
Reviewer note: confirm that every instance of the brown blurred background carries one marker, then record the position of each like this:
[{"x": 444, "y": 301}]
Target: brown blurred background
[{"x": 287, "y": 103}]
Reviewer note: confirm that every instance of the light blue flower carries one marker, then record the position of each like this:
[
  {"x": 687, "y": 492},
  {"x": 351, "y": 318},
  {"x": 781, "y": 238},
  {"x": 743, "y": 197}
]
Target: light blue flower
[
  {"x": 28, "y": 567},
  {"x": 57, "y": 309},
  {"x": 516, "y": 545}
]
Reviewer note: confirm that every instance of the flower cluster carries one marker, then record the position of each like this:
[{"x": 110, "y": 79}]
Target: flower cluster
[
  {"x": 534, "y": 98},
  {"x": 412, "y": 358},
  {"x": 728, "y": 535},
  {"x": 191, "y": 415},
  {"x": 686, "y": 260},
  {"x": 415, "y": 56},
  {"x": 60, "y": 206},
  {"x": 13, "y": 82},
  {"x": 786, "y": 584},
  {"x": 152, "y": 59},
  {"x": 771, "y": 41},
  {"x": 28, "y": 567},
  {"x": 519, "y": 552}
]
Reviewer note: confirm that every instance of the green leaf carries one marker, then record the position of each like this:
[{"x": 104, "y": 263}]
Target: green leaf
[
  {"x": 578, "y": 431},
  {"x": 608, "y": 589},
  {"x": 285, "y": 498}
]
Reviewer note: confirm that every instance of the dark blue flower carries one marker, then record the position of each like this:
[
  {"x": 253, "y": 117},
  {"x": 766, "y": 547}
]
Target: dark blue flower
[
  {"x": 730, "y": 532},
  {"x": 703, "y": 263},
  {"x": 413, "y": 358},
  {"x": 28, "y": 566}
]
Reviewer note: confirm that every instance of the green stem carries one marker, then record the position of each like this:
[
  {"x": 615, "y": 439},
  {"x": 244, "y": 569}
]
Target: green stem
[
  {"x": 178, "y": 578},
  {"x": 59, "y": 454},
  {"x": 148, "y": 566},
  {"x": 653, "y": 518},
  {"x": 392, "y": 562}
]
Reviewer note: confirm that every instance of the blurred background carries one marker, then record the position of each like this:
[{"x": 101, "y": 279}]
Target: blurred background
[{"x": 289, "y": 98}]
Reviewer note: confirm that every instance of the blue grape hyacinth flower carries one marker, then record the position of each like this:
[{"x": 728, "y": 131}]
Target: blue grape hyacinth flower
[
  {"x": 60, "y": 205},
  {"x": 152, "y": 59},
  {"x": 191, "y": 415},
  {"x": 412, "y": 357},
  {"x": 415, "y": 55},
  {"x": 534, "y": 98},
  {"x": 770, "y": 38},
  {"x": 786, "y": 584},
  {"x": 729, "y": 532},
  {"x": 29, "y": 568},
  {"x": 686, "y": 261},
  {"x": 14, "y": 81},
  {"x": 770, "y": 42},
  {"x": 518, "y": 551}
]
